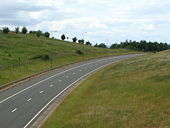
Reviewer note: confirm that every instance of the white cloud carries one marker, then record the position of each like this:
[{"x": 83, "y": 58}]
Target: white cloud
[{"x": 125, "y": 19}]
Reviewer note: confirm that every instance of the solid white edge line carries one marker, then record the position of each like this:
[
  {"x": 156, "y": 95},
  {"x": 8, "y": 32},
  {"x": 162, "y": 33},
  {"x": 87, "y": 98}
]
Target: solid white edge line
[
  {"x": 48, "y": 79},
  {"x": 62, "y": 92}
]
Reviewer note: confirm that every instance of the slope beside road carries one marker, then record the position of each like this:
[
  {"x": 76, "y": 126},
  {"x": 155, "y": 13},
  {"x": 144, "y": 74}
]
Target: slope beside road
[
  {"x": 133, "y": 93},
  {"x": 21, "y": 105}
]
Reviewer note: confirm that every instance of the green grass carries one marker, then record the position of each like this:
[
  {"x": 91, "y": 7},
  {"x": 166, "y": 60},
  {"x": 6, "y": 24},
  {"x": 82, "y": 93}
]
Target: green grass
[
  {"x": 14, "y": 46},
  {"x": 134, "y": 93}
]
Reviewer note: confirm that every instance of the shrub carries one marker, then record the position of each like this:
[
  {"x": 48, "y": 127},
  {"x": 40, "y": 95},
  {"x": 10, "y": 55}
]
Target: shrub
[
  {"x": 43, "y": 57},
  {"x": 79, "y": 52},
  {"x": 9, "y": 55},
  {"x": 36, "y": 57},
  {"x": 46, "y": 57}
]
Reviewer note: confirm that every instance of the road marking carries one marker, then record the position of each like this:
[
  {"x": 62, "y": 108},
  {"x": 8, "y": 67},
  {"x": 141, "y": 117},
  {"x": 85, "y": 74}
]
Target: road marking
[
  {"x": 74, "y": 73},
  {"x": 41, "y": 91},
  {"x": 60, "y": 80},
  {"x": 67, "y": 76},
  {"x": 51, "y": 86},
  {"x": 14, "y": 110},
  {"x": 62, "y": 92},
  {"x": 29, "y": 99},
  {"x": 80, "y": 70},
  {"x": 116, "y": 57}
]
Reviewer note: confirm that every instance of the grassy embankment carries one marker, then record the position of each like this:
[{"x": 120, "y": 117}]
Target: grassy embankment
[
  {"x": 20, "y": 48},
  {"x": 133, "y": 93}
]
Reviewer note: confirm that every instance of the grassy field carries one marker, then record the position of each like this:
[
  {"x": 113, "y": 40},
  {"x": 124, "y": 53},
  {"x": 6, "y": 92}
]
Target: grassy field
[
  {"x": 16, "y": 49},
  {"x": 133, "y": 93}
]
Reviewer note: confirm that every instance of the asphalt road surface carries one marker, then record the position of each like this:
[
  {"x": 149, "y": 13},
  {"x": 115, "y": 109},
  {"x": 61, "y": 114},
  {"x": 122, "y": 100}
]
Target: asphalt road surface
[{"x": 22, "y": 104}]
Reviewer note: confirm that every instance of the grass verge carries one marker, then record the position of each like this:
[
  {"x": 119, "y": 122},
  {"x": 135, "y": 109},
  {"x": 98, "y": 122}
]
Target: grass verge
[
  {"x": 133, "y": 93},
  {"x": 16, "y": 49}
]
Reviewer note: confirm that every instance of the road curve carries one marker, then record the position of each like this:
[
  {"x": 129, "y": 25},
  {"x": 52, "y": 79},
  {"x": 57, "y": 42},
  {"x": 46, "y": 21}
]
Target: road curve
[{"x": 22, "y": 104}]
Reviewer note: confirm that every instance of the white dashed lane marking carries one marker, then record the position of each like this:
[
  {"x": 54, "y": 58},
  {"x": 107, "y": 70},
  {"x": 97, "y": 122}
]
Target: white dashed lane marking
[
  {"x": 14, "y": 110},
  {"x": 41, "y": 91},
  {"x": 51, "y": 86},
  {"x": 29, "y": 99},
  {"x": 60, "y": 80}
]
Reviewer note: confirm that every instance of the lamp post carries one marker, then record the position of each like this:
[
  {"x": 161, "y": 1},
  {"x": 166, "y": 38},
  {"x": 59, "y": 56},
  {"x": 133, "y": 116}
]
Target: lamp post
[
  {"x": 84, "y": 39},
  {"x": 84, "y": 36},
  {"x": 55, "y": 31},
  {"x": 107, "y": 42},
  {"x": 51, "y": 57}
]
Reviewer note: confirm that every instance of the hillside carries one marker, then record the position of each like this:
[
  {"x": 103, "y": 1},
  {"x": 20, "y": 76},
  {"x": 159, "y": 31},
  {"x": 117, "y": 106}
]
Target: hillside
[
  {"x": 22, "y": 55},
  {"x": 130, "y": 94}
]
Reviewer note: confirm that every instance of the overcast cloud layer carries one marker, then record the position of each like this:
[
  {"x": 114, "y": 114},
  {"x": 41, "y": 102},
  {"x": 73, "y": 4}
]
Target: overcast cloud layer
[{"x": 118, "y": 19}]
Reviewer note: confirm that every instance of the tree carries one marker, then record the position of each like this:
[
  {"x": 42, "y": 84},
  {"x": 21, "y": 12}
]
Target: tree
[
  {"x": 96, "y": 45},
  {"x": 39, "y": 33},
  {"x": 63, "y": 37},
  {"x": 47, "y": 34},
  {"x": 88, "y": 43},
  {"x": 102, "y": 45},
  {"x": 16, "y": 30},
  {"x": 142, "y": 45},
  {"x": 6, "y": 30},
  {"x": 24, "y": 30},
  {"x": 74, "y": 39},
  {"x": 81, "y": 41},
  {"x": 114, "y": 46}
]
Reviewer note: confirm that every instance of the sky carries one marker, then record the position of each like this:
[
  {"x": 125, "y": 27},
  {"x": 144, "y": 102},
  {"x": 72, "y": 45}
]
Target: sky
[{"x": 99, "y": 21}]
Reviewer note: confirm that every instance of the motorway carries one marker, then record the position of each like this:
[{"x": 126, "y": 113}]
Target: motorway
[{"x": 21, "y": 105}]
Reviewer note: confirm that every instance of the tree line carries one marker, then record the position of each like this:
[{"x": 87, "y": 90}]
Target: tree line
[
  {"x": 39, "y": 33},
  {"x": 24, "y": 30},
  {"x": 142, "y": 46}
]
